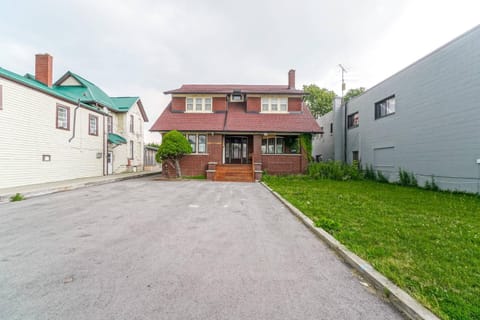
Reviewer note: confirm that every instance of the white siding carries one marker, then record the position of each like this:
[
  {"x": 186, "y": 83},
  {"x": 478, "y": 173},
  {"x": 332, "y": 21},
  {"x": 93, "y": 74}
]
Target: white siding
[
  {"x": 28, "y": 131},
  {"x": 121, "y": 153}
]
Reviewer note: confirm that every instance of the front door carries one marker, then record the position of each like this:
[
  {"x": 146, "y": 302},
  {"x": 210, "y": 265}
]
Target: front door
[
  {"x": 110, "y": 162},
  {"x": 236, "y": 149}
]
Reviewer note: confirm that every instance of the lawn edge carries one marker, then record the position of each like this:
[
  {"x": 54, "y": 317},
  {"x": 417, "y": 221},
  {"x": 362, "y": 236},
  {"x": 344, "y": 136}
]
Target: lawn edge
[{"x": 399, "y": 298}]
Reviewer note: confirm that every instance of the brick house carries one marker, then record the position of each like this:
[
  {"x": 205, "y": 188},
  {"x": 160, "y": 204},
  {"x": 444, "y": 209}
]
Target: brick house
[{"x": 238, "y": 131}]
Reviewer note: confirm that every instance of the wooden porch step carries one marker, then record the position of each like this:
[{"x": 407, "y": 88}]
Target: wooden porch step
[{"x": 240, "y": 173}]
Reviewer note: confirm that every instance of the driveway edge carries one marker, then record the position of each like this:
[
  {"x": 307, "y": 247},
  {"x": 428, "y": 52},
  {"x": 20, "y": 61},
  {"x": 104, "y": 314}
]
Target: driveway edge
[
  {"x": 399, "y": 298},
  {"x": 4, "y": 198}
]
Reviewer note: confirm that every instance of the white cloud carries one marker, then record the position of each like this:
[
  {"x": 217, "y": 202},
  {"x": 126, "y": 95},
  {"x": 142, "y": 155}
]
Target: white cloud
[{"x": 146, "y": 47}]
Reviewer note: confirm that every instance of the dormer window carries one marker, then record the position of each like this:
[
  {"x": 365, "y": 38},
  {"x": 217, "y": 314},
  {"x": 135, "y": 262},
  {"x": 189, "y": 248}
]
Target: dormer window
[
  {"x": 274, "y": 104},
  {"x": 199, "y": 104},
  {"x": 236, "y": 96}
]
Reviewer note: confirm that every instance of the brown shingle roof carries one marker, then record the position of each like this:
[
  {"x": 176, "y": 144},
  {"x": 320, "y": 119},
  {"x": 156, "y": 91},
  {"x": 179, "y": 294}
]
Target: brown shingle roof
[
  {"x": 237, "y": 120},
  {"x": 229, "y": 88}
]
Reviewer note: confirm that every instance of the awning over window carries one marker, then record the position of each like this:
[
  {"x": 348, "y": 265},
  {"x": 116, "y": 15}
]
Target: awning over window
[{"x": 116, "y": 139}]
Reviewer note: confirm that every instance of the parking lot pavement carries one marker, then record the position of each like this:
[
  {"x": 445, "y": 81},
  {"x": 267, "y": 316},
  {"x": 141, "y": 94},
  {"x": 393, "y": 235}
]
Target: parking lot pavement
[{"x": 146, "y": 249}]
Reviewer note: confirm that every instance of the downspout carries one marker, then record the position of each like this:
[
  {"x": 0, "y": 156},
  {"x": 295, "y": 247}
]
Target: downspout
[
  {"x": 74, "y": 121},
  {"x": 345, "y": 133},
  {"x": 104, "y": 153}
]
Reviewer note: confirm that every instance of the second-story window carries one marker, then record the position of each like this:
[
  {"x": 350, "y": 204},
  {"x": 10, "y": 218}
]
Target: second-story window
[
  {"x": 93, "y": 125},
  {"x": 353, "y": 120},
  {"x": 385, "y": 107},
  {"x": 132, "y": 124},
  {"x": 274, "y": 104},
  {"x": 198, "y": 104},
  {"x": 109, "y": 124},
  {"x": 63, "y": 117}
]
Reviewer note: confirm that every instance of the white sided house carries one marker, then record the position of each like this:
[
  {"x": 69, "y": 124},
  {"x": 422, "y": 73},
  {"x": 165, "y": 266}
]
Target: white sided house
[
  {"x": 50, "y": 132},
  {"x": 423, "y": 120}
]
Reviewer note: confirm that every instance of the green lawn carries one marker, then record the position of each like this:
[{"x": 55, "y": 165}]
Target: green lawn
[{"x": 426, "y": 242}]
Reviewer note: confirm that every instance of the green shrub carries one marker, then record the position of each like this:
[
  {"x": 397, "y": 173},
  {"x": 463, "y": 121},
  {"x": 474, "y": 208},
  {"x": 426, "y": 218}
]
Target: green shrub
[
  {"x": 369, "y": 173},
  {"x": 17, "y": 197},
  {"x": 334, "y": 170},
  {"x": 381, "y": 178},
  {"x": 407, "y": 178},
  {"x": 431, "y": 185}
]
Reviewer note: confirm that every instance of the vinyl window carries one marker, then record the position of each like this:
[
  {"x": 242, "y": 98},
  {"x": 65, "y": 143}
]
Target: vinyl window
[
  {"x": 385, "y": 107},
  {"x": 280, "y": 145},
  {"x": 63, "y": 117},
  {"x": 353, "y": 120},
  {"x": 198, "y": 142},
  {"x": 132, "y": 124},
  {"x": 274, "y": 104},
  {"x": 109, "y": 124},
  {"x": 93, "y": 125},
  {"x": 198, "y": 104}
]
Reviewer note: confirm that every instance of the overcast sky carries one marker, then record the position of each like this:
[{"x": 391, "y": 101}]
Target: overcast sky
[{"x": 145, "y": 47}]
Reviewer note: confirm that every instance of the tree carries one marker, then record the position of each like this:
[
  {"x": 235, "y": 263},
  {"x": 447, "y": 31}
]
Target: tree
[
  {"x": 153, "y": 144},
  {"x": 174, "y": 146},
  {"x": 319, "y": 100},
  {"x": 353, "y": 93}
]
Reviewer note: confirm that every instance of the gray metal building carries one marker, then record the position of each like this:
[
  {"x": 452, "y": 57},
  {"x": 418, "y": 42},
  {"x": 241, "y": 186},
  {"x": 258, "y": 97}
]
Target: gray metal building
[{"x": 424, "y": 119}]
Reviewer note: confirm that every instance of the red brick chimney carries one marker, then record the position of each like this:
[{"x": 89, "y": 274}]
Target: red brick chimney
[
  {"x": 291, "y": 79},
  {"x": 44, "y": 68}
]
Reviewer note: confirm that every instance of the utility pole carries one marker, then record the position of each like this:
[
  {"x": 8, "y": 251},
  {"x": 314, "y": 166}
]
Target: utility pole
[
  {"x": 343, "y": 80},
  {"x": 345, "y": 124}
]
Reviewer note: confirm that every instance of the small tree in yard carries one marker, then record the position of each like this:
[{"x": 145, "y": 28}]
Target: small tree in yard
[{"x": 174, "y": 146}]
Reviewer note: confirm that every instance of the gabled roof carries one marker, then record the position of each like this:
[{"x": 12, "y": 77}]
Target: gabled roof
[
  {"x": 29, "y": 81},
  {"x": 123, "y": 104},
  {"x": 236, "y": 119},
  {"x": 88, "y": 92},
  {"x": 230, "y": 88}
]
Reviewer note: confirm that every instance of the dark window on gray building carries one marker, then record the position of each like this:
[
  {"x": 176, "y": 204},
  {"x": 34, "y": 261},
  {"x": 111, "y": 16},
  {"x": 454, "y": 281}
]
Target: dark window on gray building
[
  {"x": 331, "y": 127},
  {"x": 385, "y": 107},
  {"x": 353, "y": 120}
]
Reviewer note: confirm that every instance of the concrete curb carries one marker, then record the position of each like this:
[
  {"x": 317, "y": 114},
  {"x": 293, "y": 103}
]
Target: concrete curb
[
  {"x": 75, "y": 185},
  {"x": 399, "y": 298}
]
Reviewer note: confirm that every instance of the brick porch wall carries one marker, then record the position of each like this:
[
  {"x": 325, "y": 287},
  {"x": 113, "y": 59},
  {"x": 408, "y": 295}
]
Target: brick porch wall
[
  {"x": 196, "y": 164},
  {"x": 284, "y": 164}
]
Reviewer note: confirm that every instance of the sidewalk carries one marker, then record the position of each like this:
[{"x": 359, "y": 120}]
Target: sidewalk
[{"x": 35, "y": 190}]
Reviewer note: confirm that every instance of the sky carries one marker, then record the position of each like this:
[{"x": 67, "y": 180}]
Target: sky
[{"x": 145, "y": 47}]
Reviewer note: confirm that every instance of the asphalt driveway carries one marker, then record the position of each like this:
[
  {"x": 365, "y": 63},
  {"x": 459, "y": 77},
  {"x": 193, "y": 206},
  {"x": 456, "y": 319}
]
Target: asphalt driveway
[{"x": 145, "y": 249}]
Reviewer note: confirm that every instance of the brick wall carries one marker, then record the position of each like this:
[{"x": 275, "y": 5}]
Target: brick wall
[
  {"x": 294, "y": 104},
  {"x": 253, "y": 104},
  {"x": 196, "y": 164},
  {"x": 219, "y": 104},
  {"x": 284, "y": 164},
  {"x": 178, "y": 104}
]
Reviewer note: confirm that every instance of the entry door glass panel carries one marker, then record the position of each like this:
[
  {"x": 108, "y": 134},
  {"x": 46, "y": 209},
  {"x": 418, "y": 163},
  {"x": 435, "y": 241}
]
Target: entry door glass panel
[{"x": 236, "y": 149}]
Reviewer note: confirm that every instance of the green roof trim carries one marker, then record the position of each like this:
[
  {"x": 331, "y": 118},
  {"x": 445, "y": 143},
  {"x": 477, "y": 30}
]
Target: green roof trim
[
  {"x": 116, "y": 139},
  {"x": 123, "y": 104},
  {"x": 86, "y": 94},
  {"x": 29, "y": 81}
]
